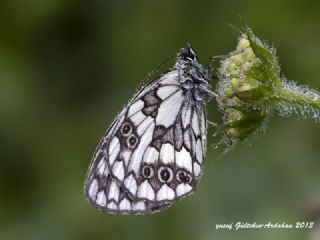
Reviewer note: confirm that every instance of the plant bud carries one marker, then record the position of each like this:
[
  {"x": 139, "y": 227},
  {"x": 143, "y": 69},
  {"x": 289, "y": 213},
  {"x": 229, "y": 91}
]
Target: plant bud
[{"x": 249, "y": 79}]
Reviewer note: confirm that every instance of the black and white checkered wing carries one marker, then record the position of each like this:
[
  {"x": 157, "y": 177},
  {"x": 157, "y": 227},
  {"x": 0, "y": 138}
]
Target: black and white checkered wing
[{"x": 152, "y": 154}]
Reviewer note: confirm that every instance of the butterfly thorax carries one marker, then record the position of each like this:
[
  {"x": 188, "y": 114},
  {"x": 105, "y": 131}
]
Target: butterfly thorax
[{"x": 192, "y": 76}]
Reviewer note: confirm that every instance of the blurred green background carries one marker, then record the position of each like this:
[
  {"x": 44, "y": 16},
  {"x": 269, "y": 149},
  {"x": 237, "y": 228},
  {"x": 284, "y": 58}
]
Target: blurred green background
[{"x": 68, "y": 67}]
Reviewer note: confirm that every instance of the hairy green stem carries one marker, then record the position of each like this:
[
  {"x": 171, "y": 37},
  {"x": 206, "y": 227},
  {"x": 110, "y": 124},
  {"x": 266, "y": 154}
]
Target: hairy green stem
[{"x": 287, "y": 95}]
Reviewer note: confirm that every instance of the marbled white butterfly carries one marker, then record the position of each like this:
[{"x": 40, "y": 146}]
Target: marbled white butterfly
[{"x": 151, "y": 156}]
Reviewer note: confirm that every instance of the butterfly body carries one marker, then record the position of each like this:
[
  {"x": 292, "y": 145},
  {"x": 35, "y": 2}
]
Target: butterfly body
[{"x": 151, "y": 156}]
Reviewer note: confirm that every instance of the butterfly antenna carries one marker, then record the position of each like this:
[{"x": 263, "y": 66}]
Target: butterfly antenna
[{"x": 154, "y": 71}]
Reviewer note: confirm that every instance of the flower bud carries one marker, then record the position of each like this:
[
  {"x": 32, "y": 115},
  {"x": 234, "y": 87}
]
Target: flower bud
[
  {"x": 250, "y": 90},
  {"x": 249, "y": 77}
]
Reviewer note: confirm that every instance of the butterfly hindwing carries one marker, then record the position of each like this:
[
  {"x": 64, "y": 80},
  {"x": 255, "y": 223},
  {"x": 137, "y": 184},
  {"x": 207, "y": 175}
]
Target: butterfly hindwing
[
  {"x": 152, "y": 154},
  {"x": 105, "y": 194}
]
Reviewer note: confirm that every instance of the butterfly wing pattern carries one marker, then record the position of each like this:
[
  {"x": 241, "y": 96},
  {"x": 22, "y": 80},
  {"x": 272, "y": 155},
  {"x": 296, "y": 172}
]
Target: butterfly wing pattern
[{"x": 151, "y": 156}]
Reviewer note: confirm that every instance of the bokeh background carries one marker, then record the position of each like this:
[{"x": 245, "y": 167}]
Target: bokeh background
[{"x": 68, "y": 67}]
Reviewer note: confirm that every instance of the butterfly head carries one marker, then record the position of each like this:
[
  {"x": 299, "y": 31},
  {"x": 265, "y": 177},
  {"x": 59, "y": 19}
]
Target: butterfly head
[{"x": 188, "y": 54}]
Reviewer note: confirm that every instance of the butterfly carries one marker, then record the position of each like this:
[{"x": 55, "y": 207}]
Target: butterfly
[{"x": 151, "y": 156}]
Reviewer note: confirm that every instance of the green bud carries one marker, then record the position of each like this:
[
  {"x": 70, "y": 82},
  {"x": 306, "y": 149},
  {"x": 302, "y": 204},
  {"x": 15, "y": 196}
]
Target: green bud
[{"x": 250, "y": 90}]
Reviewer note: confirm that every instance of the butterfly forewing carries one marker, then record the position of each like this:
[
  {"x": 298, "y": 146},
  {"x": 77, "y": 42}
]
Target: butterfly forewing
[{"x": 152, "y": 154}]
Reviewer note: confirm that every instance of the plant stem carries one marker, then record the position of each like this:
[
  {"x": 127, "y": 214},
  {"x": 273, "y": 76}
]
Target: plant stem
[{"x": 298, "y": 98}]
